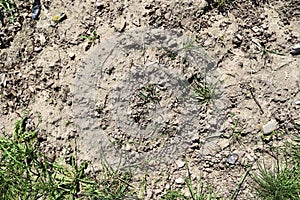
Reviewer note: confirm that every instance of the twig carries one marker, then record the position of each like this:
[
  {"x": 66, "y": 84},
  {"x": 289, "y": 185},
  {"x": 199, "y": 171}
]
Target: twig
[{"x": 257, "y": 103}]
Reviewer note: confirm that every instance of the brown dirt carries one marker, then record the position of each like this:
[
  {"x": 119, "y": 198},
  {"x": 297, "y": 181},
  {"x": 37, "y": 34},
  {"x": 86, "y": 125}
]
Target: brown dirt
[{"x": 248, "y": 41}]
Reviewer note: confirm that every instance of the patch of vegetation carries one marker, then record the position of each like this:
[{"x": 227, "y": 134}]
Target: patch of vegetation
[
  {"x": 282, "y": 180},
  {"x": 204, "y": 91},
  {"x": 8, "y": 6},
  {"x": 202, "y": 192},
  {"x": 27, "y": 173},
  {"x": 91, "y": 38},
  {"x": 149, "y": 94}
]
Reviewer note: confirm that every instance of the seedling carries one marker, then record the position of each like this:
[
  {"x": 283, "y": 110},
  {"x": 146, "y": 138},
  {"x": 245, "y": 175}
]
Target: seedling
[
  {"x": 203, "y": 191},
  {"x": 221, "y": 4},
  {"x": 265, "y": 53},
  {"x": 91, "y": 38},
  {"x": 149, "y": 94},
  {"x": 268, "y": 138},
  {"x": 236, "y": 132}
]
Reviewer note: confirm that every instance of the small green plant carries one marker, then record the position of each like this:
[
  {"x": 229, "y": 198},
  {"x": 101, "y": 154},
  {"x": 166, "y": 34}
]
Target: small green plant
[
  {"x": 91, "y": 38},
  {"x": 267, "y": 138},
  {"x": 237, "y": 132},
  {"x": 280, "y": 183},
  {"x": 202, "y": 192},
  {"x": 204, "y": 91},
  {"x": 9, "y": 7},
  {"x": 221, "y": 4},
  {"x": 150, "y": 94},
  {"x": 171, "y": 54},
  {"x": 265, "y": 52},
  {"x": 174, "y": 195}
]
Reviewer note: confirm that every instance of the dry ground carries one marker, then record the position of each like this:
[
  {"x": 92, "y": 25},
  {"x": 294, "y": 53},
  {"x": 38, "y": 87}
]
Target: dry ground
[{"x": 249, "y": 42}]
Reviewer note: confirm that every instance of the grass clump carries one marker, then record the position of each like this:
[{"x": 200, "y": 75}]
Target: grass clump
[
  {"x": 27, "y": 173},
  {"x": 8, "y": 6},
  {"x": 278, "y": 184},
  {"x": 204, "y": 91},
  {"x": 282, "y": 181}
]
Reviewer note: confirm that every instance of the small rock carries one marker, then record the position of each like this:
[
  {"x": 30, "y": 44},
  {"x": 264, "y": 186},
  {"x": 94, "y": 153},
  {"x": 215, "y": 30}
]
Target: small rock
[
  {"x": 195, "y": 138},
  {"x": 264, "y": 26},
  {"x": 168, "y": 15},
  {"x": 180, "y": 181},
  {"x": 99, "y": 4},
  {"x": 239, "y": 37},
  {"x": 297, "y": 102},
  {"x": 72, "y": 55},
  {"x": 223, "y": 143},
  {"x": 269, "y": 127},
  {"x": 51, "y": 157},
  {"x": 295, "y": 49},
  {"x": 128, "y": 147},
  {"x": 136, "y": 22},
  {"x": 180, "y": 163},
  {"x": 120, "y": 24},
  {"x": 36, "y": 9},
  {"x": 255, "y": 29},
  {"x": 232, "y": 158}
]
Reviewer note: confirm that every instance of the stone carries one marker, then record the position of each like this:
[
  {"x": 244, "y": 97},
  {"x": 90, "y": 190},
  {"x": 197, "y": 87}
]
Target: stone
[
  {"x": 119, "y": 24},
  {"x": 179, "y": 181},
  {"x": 99, "y": 4},
  {"x": 255, "y": 29},
  {"x": 223, "y": 143},
  {"x": 232, "y": 158},
  {"x": 180, "y": 163},
  {"x": 195, "y": 138},
  {"x": 269, "y": 127},
  {"x": 295, "y": 49},
  {"x": 72, "y": 55},
  {"x": 136, "y": 22}
]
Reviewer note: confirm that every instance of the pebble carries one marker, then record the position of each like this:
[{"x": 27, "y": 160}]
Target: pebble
[
  {"x": 136, "y": 22},
  {"x": 180, "y": 163},
  {"x": 295, "y": 49},
  {"x": 269, "y": 127},
  {"x": 223, "y": 143},
  {"x": 168, "y": 15},
  {"x": 180, "y": 181},
  {"x": 255, "y": 29},
  {"x": 195, "y": 138},
  {"x": 72, "y": 55},
  {"x": 120, "y": 24},
  {"x": 99, "y": 4},
  {"x": 232, "y": 158},
  {"x": 239, "y": 37}
]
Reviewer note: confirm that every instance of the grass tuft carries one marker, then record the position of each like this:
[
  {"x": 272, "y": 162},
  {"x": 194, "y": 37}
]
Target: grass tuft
[
  {"x": 8, "y": 6},
  {"x": 204, "y": 91},
  {"x": 26, "y": 173},
  {"x": 279, "y": 183}
]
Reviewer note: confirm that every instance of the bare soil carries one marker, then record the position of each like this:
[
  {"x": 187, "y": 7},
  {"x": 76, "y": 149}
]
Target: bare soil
[{"x": 81, "y": 79}]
